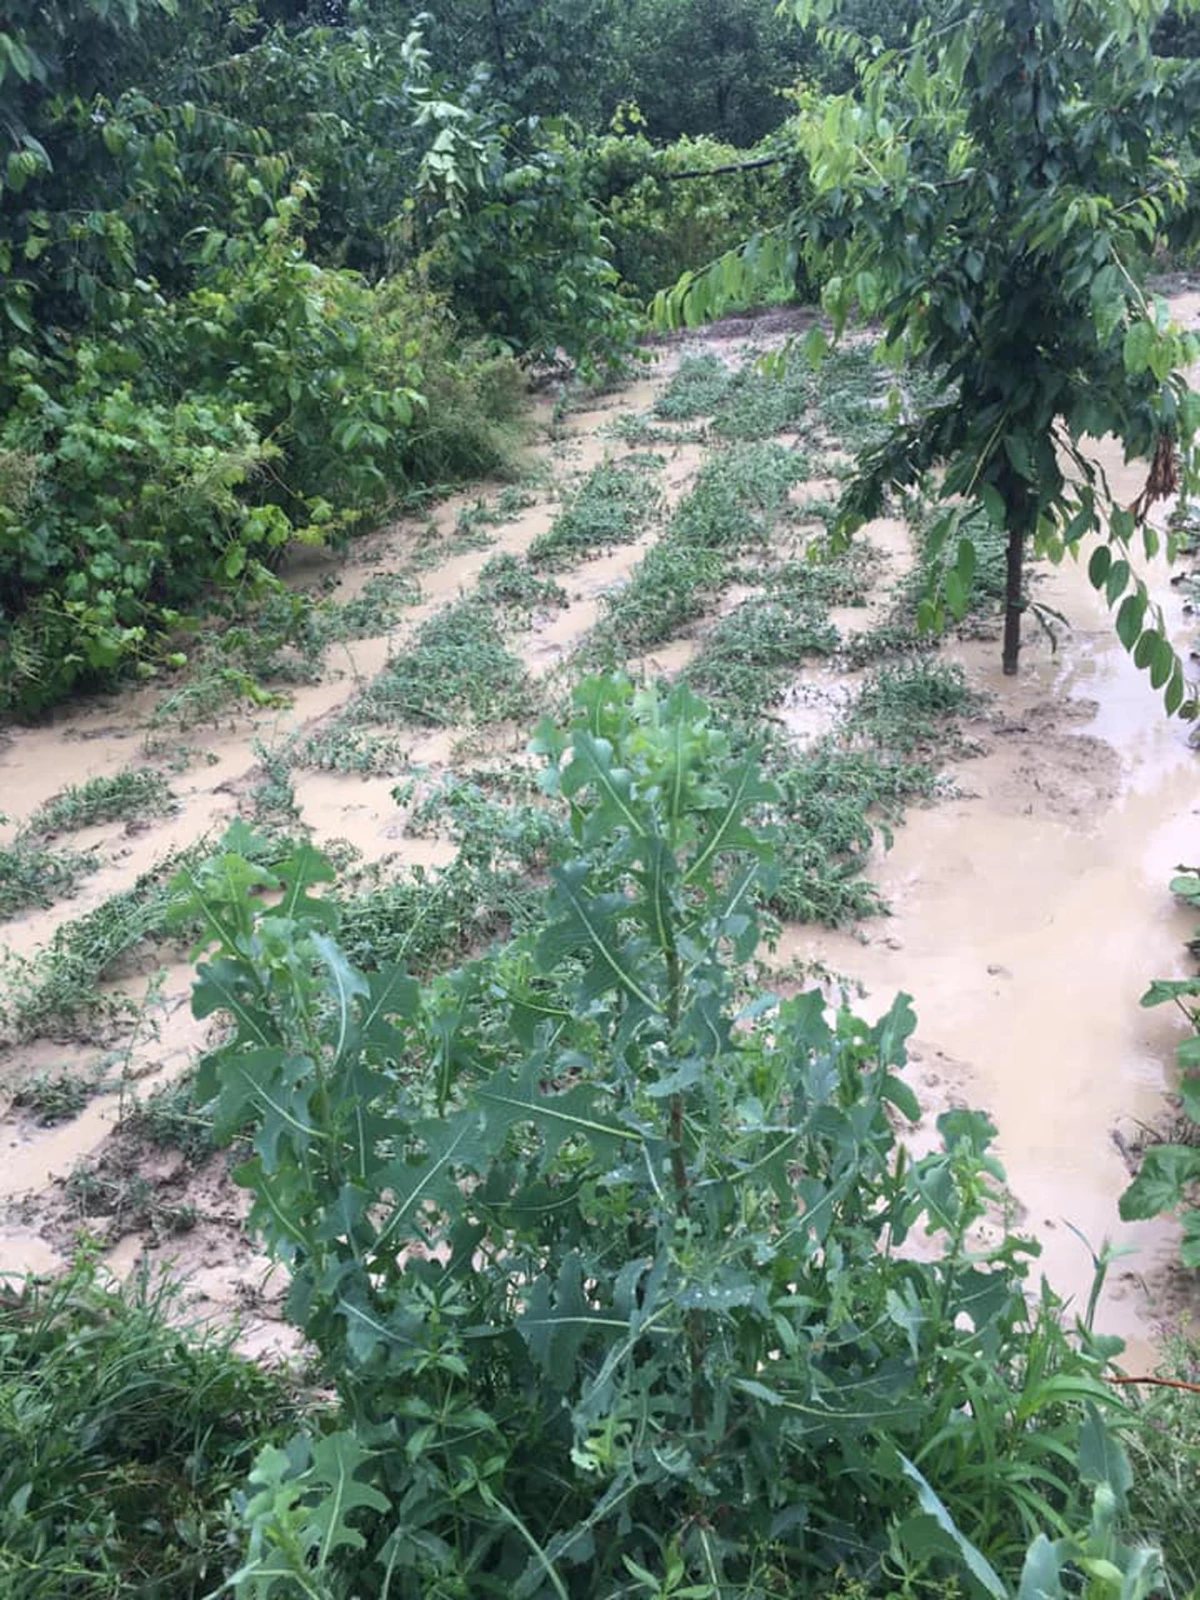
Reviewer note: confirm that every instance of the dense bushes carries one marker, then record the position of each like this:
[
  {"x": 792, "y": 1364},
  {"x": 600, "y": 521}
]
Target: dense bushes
[
  {"x": 197, "y": 436},
  {"x": 661, "y": 225},
  {"x": 193, "y": 377}
]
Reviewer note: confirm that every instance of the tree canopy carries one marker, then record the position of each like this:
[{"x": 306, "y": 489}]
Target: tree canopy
[{"x": 990, "y": 196}]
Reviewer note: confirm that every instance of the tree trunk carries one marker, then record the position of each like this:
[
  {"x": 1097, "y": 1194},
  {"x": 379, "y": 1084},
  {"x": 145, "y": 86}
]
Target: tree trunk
[
  {"x": 1020, "y": 516},
  {"x": 1012, "y": 599}
]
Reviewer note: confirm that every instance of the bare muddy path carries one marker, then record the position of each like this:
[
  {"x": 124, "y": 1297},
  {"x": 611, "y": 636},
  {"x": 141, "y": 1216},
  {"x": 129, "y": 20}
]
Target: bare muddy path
[{"x": 1029, "y": 909}]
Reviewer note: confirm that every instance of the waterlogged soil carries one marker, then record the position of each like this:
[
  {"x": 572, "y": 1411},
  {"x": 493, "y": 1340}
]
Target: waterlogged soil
[{"x": 1029, "y": 907}]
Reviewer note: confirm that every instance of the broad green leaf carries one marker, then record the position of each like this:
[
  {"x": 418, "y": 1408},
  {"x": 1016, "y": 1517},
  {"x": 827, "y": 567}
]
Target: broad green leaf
[
  {"x": 1167, "y": 1172},
  {"x": 1163, "y": 990},
  {"x": 1040, "y": 1576},
  {"x": 1140, "y": 339},
  {"x": 993, "y": 504},
  {"x": 976, "y": 1564},
  {"x": 1173, "y": 698},
  {"x": 591, "y": 765},
  {"x": 1114, "y": 584},
  {"x": 457, "y": 1143},
  {"x": 1102, "y": 1458}
]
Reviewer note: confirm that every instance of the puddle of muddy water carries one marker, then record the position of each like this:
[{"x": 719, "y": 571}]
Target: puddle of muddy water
[{"x": 1029, "y": 916}]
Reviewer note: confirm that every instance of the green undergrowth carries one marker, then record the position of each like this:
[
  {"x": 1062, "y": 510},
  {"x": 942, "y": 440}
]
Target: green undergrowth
[
  {"x": 696, "y": 388},
  {"x": 915, "y": 706},
  {"x": 613, "y": 506},
  {"x": 846, "y": 400},
  {"x": 456, "y": 668},
  {"x": 427, "y": 917},
  {"x": 119, "y": 797},
  {"x": 380, "y": 606},
  {"x": 738, "y": 498},
  {"x": 747, "y": 660},
  {"x": 34, "y": 876},
  {"x": 835, "y": 806},
  {"x": 123, "y": 1438}
]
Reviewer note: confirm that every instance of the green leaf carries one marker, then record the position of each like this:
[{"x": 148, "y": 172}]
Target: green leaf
[
  {"x": 1101, "y": 1456},
  {"x": 976, "y": 1563},
  {"x": 1118, "y": 577},
  {"x": 1163, "y": 661},
  {"x": 589, "y": 926},
  {"x": 512, "y": 1101},
  {"x": 993, "y": 504},
  {"x": 1020, "y": 454},
  {"x": 1140, "y": 339},
  {"x": 1167, "y": 1172},
  {"x": 1040, "y": 1576},
  {"x": 1129, "y": 619},
  {"x": 337, "y": 1458},
  {"x": 591, "y": 766},
  {"x": 1163, "y": 990}
]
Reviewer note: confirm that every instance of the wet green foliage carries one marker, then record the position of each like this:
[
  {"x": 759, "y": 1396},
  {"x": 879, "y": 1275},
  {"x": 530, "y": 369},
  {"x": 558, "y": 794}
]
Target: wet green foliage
[{"x": 603, "y": 1252}]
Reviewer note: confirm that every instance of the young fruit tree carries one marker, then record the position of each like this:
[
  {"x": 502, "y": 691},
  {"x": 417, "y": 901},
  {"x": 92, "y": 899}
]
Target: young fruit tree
[{"x": 990, "y": 197}]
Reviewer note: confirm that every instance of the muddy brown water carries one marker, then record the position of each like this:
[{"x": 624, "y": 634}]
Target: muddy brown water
[{"x": 1029, "y": 911}]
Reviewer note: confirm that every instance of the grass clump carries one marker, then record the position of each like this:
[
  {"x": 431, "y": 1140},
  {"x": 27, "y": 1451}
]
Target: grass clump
[
  {"x": 835, "y": 803},
  {"x": 56, "y": 992},
  {"x": 512, "y": 584},
  {"x": 734, "y": 504},
  {"x": 914, "y": 706},
  {"x": 611, "y": 507},
  {"x": 745, "y": 661},
  {"x": 32, "y": 876},
  {"x": 118, "y": 797},
  {"x": 457, "y": 668},
  {"x": 426, "y": 919},
  {"x": 377, "y": 609},
  {"x": 759, "y": 404},
  {"x": 122, "y": 1441},
  {"x": 697, "y": 388}
]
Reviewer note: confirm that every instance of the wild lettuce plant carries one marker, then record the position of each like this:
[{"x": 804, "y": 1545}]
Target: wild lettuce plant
[{"x": 625, "y": 1281}]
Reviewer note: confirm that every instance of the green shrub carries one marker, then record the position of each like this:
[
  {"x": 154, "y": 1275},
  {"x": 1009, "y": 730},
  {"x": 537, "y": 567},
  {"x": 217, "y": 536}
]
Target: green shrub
[
  {"x": 306, "y": 409},
  {"x": 662, "y": 226},
  {"x": 604, "y": 1253}
]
